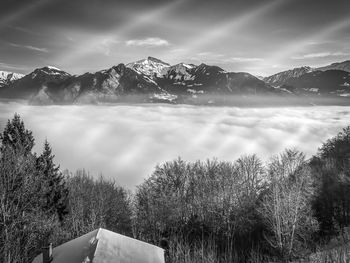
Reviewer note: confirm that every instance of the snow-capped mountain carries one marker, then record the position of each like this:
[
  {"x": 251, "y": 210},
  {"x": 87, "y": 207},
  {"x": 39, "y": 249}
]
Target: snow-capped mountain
[
  {"x": 282, "y": 77},
  {"x": 148, "y": 80},
  {"x": 49, "y": 72},
  {"x": 108, "y": 85},
  {"x": 150, "y": 66},
  {"x": 8, "y": 77},
  {"x": 196, "y": 81},
  {"x": 152, "y": 80},
  {"x": 179, "y": 72},
  {"x": 31, "y": 84}
]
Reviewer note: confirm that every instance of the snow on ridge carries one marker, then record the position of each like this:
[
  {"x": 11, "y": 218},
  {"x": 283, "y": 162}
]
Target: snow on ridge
[
  {"x": 149, "y": 66},
  {"x": 54, "y": 68},
  {"x": 188, "y": 66},
  {"x": 49, "y": 70},
  {"x": 179, "y": 72},
  {"x": 9, "y": 76}
]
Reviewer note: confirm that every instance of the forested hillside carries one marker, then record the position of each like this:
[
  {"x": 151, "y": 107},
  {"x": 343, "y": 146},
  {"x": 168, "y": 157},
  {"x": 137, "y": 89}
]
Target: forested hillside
[{"x": 205, "y": 211}]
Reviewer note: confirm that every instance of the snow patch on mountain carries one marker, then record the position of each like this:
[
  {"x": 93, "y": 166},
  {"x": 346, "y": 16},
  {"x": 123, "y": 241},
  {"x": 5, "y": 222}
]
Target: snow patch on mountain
[
  {"x": 150, "y": 66},
  {"x": 164, "y": 97},
  {"x": 54, "y": 68},
  {"x": 179, "y": 71},
  {"x": 49, "y": 70},
  {"x": 6, "y": 77}
]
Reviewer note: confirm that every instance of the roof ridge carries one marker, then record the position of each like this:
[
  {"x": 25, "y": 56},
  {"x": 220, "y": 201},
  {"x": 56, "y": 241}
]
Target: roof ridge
[{"x": 94, "y": 245}]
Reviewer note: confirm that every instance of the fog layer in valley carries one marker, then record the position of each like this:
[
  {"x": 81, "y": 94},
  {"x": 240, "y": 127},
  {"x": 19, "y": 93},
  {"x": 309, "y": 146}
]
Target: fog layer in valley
[{"x": 125, "y": 142}]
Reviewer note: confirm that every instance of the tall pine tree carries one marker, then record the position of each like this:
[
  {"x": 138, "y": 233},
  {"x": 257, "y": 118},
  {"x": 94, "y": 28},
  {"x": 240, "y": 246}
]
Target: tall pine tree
[
  {"x": 24, "y": 223},
  {"x": 16, "y": 136},
  {"x": 54, "y": 188}
]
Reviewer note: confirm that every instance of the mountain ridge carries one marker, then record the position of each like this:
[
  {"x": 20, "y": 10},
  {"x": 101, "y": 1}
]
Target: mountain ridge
[{"x": 153, "y": 80}]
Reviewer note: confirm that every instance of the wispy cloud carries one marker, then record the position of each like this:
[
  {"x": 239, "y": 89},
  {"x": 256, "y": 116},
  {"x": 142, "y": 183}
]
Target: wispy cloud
[
  {"x": 39, "y": 49},
  {"x": 321, "y": 55},
  {"x": 148, "y": 42},
  {"x": 244, "y": 59},
  {"x": 208, "y": 54},
  {"x": 293, "y": 47},
  {"x": 105, "y": 46},
  {"x": 13, "y": 67},
  {"x": 28, "y": 8},
  {"x": 220, "y": 58},
  {"x": 25, "y": 30},
  {"x": 228, "y": 26},
  {"x": 177, "y": 50}
]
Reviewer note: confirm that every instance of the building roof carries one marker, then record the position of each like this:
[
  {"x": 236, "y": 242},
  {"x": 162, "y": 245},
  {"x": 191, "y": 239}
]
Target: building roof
[{"x": 104, "y": 246}]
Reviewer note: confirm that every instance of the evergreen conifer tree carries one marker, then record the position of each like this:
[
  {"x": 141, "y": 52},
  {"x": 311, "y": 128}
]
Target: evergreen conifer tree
[
  {"x": 16, "y": 136},
  {"x": 54, "y": 188}
]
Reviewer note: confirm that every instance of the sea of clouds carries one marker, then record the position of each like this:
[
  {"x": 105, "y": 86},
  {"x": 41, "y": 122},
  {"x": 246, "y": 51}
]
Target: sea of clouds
[{"x": 126, "y": 142}]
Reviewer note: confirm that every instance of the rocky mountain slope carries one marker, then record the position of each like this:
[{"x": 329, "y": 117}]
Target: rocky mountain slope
[
  {"x": 148, "y": 80},
  {"x": 282, "y": 77},
  {"x": 326, "y": 83},
  {"x": 152, "y": 80},
  {"x": 150, "y": 66},
  {"x": 345, "y": 66},
  {"x": 8, "y": 77},
  {"x": 330, "y": 80}
]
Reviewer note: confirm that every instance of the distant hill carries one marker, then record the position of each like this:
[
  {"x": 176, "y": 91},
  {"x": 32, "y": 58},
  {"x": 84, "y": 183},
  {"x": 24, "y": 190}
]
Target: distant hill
[
  {"x": 282, "y": 77},
  {"x": 345, "y": 66},
  {"x": 330, "y": 80}
]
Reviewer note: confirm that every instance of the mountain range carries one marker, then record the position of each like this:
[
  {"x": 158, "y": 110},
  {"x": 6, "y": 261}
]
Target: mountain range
[{"x": 152, "y": 80}]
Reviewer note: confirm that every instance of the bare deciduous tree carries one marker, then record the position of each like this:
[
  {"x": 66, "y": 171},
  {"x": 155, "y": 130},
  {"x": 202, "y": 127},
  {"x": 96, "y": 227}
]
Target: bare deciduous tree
[{"x": 286, "y": 207}]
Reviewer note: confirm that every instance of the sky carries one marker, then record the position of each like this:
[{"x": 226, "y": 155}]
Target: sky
[{"x": 262, "y": 37}]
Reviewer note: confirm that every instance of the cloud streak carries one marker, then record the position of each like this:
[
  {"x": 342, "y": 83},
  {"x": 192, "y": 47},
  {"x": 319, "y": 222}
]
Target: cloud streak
[
  {"x": 106, "y": 45},
  {"x": 245, "y": 59},
  {"x": 136, "y": 20},
  {"x": 228, "y": 26},
  {"x": 249, "y": 34},
  {"x": 20, "y": 12},
  {"x": 148, "y": 42},
  {"x": 29, "y": 47},
  {"x": 14, "y": 68},
  {"x": 299, "y": 44},
  {"x": 321, "y": 55}
]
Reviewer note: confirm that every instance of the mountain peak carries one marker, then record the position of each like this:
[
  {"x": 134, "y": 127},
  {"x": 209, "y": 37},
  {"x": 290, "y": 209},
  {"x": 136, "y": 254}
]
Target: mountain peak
[
  {"x": 204, "y": 68},
  {"x": 150, "y": 66},
  {"x": 53, "y": 68},
  {"x": 156, "y": 60},
  {"x": 50, "y": 70}
]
